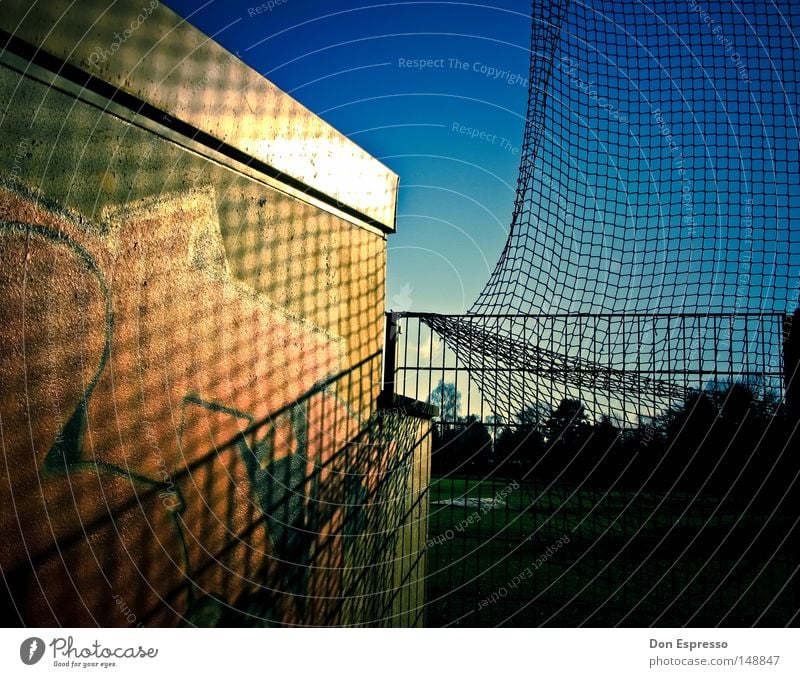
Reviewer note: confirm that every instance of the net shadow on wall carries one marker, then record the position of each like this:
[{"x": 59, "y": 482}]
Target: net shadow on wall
[
  {"x": 201, "y": 454},
  {"x": 197, "y": 348}
]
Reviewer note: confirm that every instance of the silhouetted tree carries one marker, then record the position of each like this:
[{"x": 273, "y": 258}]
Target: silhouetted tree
[
  {"x": 519, "y": 446},
  {"x": 462, "y": 446},
  {"x": 721, "y": 439},
  {"x": 607, "y": 454},
  {"x": 534, "y": 415},
  {"x": 606, "y": 434},
  {"x": 476, "y": 444},
  {"x": 495, "y": 424},
  {"x": 448, "y": 399},
  {"x": 747, "y": 432},
  {"x": 567, "y": 424}
]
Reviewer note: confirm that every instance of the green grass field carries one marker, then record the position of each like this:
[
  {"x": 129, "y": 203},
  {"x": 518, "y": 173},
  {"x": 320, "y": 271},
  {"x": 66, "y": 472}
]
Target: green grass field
[{"x": 527, "y": 555}]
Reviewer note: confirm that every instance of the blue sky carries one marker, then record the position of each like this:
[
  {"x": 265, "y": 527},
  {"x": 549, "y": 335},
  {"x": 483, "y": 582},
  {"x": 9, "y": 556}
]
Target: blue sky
[
  {"x": 438, "y": 92},
  {"x": 351, "y": 63}
]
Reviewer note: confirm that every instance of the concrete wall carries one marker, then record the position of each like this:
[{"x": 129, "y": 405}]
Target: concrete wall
[{"x": 191, "y": 292}]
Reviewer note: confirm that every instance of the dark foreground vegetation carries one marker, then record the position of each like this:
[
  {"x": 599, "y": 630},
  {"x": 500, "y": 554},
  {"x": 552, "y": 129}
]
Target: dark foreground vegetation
[
  {"x": 717, "y": 440},
  {"x": 689, "y": 518}
]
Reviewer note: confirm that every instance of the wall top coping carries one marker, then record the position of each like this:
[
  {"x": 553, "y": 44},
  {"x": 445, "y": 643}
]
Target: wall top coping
[{"x": 145, "y": 50}]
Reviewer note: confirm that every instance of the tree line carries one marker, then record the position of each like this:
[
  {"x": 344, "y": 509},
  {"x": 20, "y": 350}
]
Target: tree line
[{"x": 723, "y": 437}]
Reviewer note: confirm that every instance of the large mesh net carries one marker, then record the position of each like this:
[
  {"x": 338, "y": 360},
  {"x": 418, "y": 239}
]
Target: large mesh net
[{"x": 658, "y": 176}]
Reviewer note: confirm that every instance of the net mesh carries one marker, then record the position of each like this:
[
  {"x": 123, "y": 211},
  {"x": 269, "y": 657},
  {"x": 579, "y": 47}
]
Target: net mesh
[{"x": 658, "y": 174}]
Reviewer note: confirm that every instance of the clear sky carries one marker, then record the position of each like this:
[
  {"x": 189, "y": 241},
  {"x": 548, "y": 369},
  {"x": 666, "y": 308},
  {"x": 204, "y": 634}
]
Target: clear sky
[{"x": 352, "y": 63}]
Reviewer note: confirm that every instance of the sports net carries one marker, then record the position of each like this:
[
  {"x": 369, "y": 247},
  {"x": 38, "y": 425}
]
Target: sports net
[{"x": 658, "y": 175}]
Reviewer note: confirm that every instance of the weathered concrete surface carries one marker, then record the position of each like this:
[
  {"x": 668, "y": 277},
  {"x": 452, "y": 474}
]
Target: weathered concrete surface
[
  {"x": 168, "y": 63},
  {"x": 137, "y": 361},
  {"x": 191, "y": 357},
  {"x": 385, "y": 552}
]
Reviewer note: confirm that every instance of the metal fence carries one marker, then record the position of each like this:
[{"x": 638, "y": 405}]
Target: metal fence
[
  {"x": 605, "y": 470},
  {"x": 624, "y": 366}
]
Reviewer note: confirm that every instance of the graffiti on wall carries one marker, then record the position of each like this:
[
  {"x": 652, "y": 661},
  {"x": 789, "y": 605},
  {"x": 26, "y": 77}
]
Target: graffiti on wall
[{"x": 159, "y": 438}]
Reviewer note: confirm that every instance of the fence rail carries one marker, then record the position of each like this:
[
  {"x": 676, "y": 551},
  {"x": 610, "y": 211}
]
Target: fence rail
[
  {"x": 615, "y": 469},
  {"x": 626, "y": 366}
]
